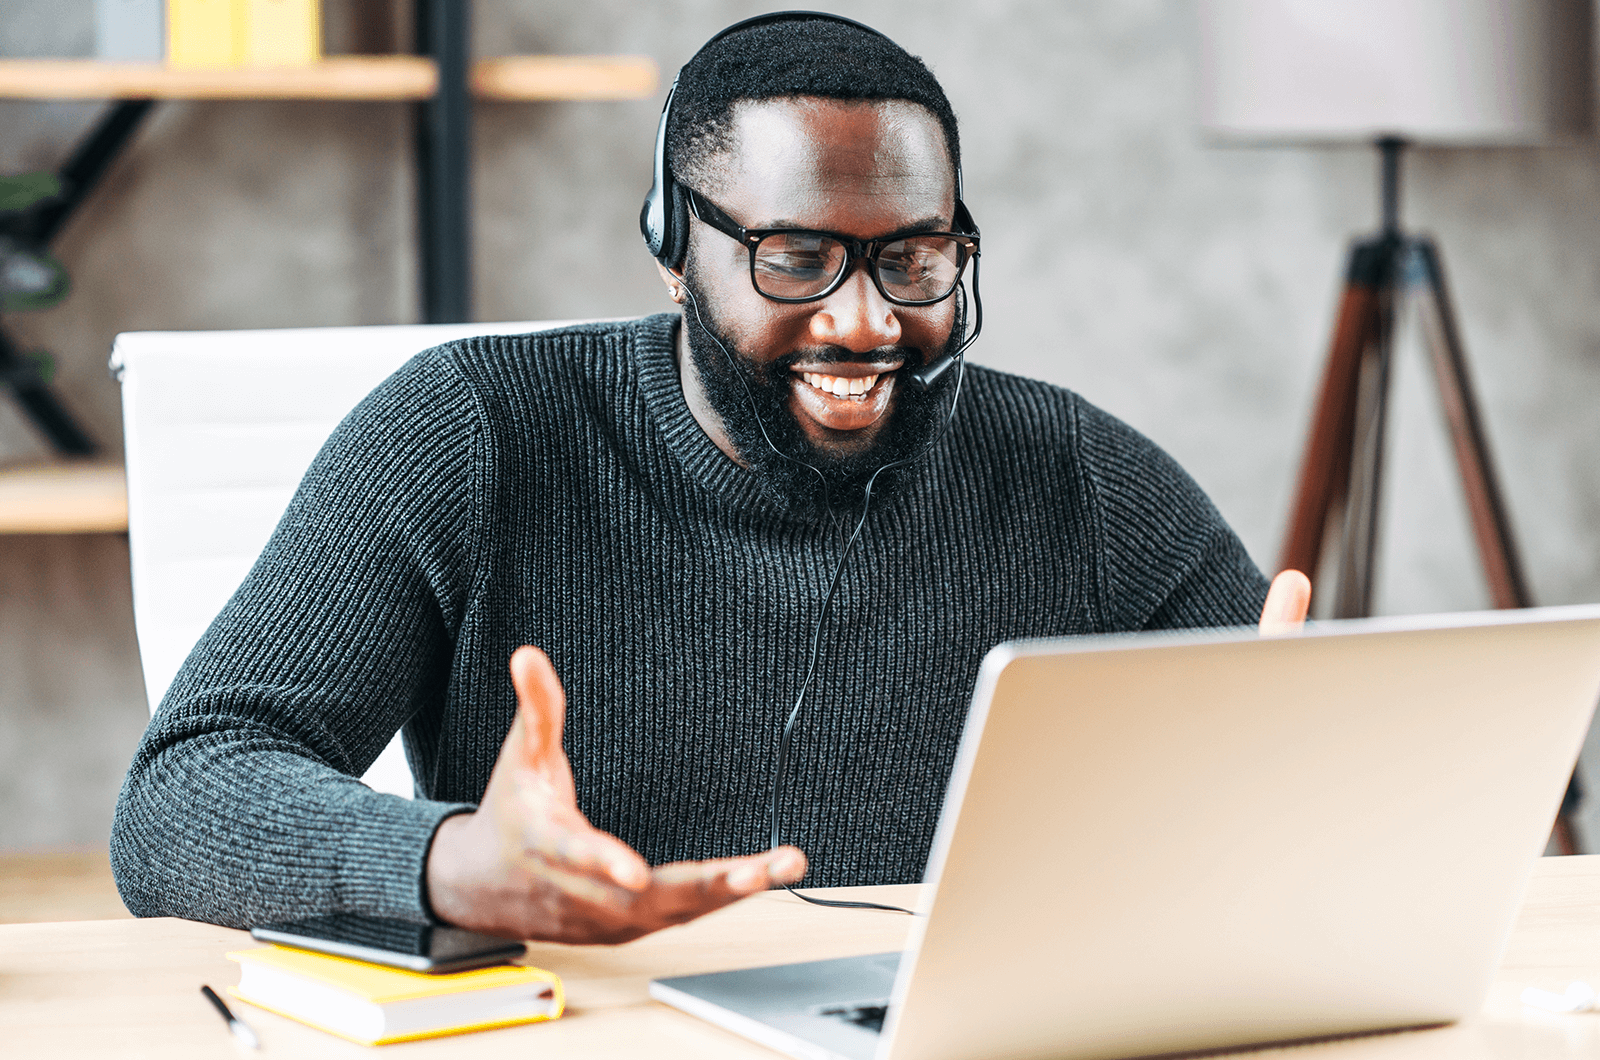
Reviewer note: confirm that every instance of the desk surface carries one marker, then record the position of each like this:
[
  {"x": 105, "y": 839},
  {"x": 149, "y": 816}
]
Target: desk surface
[{"x": 130, "y": 988}]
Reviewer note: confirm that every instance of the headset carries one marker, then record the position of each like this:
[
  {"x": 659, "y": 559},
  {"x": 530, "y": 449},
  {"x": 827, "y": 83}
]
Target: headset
[
  {"x": 664, "y": 218},
  {"x": 664, "y": 223}
]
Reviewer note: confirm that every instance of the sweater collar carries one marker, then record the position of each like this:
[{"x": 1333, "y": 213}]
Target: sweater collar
[{"x": 655, "y": 340}]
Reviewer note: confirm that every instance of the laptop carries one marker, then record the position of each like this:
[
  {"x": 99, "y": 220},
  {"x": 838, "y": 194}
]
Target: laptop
[{"x": 1161, "y": 843}]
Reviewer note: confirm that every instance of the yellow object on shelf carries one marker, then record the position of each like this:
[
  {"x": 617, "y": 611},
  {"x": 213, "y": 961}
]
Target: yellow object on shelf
[
  {"x": 283, "y": 32},
  {"x": 206, "y": 34}
]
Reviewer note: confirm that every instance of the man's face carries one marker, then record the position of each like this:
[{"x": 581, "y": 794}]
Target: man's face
[{"x": 834, "y": 370}]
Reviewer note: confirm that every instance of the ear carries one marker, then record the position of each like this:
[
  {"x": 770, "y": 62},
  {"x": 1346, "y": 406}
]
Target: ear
[{"x": 673, "y": 278}]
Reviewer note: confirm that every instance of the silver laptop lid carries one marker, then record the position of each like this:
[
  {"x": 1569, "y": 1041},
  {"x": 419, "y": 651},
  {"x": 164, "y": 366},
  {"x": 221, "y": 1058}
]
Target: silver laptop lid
[{"x": 1163, "y": 843}]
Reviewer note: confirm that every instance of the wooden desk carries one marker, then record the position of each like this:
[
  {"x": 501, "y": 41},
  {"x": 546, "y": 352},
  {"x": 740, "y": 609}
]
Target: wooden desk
[{"x": 131, "y": 988}]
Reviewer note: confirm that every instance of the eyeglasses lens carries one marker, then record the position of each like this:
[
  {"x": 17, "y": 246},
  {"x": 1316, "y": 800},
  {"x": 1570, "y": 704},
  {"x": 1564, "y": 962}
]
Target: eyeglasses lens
[
  {"x": 804, "y": 264},
  {"x": 920, "y": 268},
  {"x": 797, "y": 264}
]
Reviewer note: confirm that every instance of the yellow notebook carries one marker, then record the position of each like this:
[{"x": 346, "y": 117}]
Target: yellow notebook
[
  {"x": 374, "y": 1005},
  {"x": 205, "y": 33},
  {"x": 283, "y": 32}
]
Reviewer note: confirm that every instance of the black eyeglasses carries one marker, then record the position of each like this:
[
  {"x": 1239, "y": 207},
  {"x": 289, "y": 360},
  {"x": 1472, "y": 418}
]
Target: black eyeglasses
[{"x": 803, "y": 265}]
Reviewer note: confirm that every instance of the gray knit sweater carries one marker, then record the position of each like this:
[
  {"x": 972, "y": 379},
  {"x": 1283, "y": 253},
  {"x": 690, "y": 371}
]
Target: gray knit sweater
[{"x": 554, "y": 489}]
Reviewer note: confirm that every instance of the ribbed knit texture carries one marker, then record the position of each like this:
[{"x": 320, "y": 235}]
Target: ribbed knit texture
[{"x": 554, "y": 489}]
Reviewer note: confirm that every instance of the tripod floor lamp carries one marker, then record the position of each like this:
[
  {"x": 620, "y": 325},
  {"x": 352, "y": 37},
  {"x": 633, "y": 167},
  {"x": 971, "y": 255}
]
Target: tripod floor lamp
[
  {"x": 1342, "y": 470},
  {"x": 1434, "y": 72}
]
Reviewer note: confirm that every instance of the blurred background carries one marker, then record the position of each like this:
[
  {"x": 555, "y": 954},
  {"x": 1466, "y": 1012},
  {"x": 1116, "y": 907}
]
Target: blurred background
[{"x": 1187, "y": 287}]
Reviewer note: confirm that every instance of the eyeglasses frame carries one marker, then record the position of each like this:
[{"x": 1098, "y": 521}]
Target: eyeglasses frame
[{"x": 866, "y": 250}]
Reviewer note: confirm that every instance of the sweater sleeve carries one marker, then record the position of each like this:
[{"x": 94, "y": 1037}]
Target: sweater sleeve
[
  {"x": 1171, "y": 561},
  {"x": 242, "y": 805}
]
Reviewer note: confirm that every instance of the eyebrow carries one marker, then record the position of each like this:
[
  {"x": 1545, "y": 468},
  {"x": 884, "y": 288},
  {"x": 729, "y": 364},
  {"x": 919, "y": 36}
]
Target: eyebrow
[{"x": 918, "y": 227}]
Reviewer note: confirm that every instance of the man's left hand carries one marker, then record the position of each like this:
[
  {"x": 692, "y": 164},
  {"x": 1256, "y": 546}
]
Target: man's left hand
[{"x": 1287, "y": 603}]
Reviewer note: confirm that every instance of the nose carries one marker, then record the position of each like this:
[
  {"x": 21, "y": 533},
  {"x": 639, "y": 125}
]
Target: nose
[{"x": 856, "y": 316}]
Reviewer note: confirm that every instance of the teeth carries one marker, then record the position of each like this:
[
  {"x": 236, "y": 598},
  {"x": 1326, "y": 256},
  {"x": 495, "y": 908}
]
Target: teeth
[{"x": 840, "y": 386}]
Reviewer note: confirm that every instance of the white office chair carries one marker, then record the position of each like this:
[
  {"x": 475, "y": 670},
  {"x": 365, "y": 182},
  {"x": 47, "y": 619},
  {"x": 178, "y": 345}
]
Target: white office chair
[{"x": 220, "y": 426}]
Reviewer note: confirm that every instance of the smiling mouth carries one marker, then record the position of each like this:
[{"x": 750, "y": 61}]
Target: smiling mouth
[
  {"x": 845, "y": 396},
  {"x": 842, "y": 386}
]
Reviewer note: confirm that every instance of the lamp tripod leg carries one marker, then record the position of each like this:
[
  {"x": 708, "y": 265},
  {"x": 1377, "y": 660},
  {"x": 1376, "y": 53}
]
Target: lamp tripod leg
[
  {"x": 1491, "y": 524},
  {"x": 1347, "y": 420},
  {"x": 1567, "y": 837},
  {"x": 1325, "y": 466},
  {"x": 1358, "y": 555}
]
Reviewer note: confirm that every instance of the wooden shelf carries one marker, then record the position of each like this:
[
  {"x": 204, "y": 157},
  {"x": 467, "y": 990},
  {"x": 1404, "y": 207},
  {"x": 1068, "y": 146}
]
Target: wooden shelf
[
  {"x": 350, "y": 77},
  {"x": 529, "y": 78},
  {"x": 67, "y": 498}
]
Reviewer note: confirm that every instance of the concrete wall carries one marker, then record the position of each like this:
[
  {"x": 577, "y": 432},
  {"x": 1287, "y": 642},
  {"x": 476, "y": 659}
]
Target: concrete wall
[{"x": 1187, "y": 288}]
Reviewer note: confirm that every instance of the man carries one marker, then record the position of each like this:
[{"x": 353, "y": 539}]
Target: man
[{"x": 658, "y": 506}]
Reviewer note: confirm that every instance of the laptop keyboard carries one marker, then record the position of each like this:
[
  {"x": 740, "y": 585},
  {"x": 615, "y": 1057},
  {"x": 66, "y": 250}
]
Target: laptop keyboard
[{"x": 868, "y": 1017}]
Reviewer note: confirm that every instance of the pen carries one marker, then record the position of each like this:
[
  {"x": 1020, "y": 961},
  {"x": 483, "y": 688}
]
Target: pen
[{"x": 239, "y": 1028}]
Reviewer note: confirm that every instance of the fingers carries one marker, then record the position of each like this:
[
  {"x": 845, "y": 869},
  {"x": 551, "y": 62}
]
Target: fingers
[
  {"x": 587, "y": 849},
  {"x": 675, "y": 894},
  {"x": 1287, "y": 603},
  {"x": 589, "y": 910},
  {"x": 541, "y": 703},
  {"x": 774, "y": 868},
  {"x": 736, "y": 876}
]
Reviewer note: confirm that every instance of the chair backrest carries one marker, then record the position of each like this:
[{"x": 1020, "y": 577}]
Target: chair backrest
[{"x": 220, "y": 427}]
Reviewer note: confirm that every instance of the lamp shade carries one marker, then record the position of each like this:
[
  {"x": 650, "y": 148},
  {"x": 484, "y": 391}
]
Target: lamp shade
[{"x": 1433, "y": 71}]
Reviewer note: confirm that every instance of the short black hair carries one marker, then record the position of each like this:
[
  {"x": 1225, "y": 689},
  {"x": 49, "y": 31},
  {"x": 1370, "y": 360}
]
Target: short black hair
[{"x": 800, "y": 56}]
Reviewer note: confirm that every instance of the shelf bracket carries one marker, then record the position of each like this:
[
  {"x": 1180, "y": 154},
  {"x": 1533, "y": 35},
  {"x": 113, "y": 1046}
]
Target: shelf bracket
[
  {"x": 444, "y": 165},
  {"x": 79, "y": 176}
]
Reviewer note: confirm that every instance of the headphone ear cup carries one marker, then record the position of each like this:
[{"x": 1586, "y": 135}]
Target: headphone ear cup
[
  {"x": 652, "y": 238},
  {"x": 675, "y": 240}
]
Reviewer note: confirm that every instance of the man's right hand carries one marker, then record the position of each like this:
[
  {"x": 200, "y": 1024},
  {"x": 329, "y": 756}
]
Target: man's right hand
[{"x": 527, "y": 864}]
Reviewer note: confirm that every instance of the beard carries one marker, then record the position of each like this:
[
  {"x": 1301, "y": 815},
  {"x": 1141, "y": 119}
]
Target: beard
[{"x": 749, "y": 396}]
